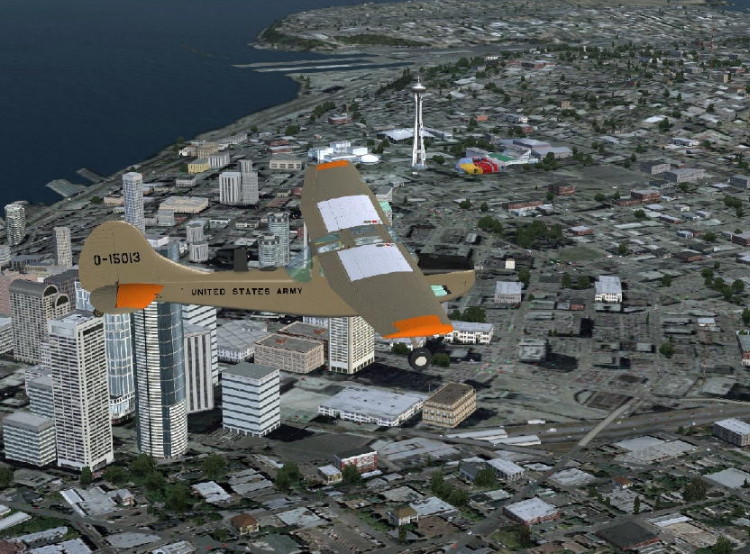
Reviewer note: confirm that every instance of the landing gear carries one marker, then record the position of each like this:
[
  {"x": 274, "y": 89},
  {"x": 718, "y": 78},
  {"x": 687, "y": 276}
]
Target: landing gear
[
  {"x": 420, "y": 358},
  {"x": 98, "y": 313}
]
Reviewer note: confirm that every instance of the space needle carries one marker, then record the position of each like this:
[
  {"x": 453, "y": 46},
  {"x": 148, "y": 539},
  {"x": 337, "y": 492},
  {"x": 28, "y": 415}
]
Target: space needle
[{"x": 418, "y": 155}]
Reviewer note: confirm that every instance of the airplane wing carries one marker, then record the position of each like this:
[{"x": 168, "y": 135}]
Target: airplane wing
[{"x": 362, "y": 260}]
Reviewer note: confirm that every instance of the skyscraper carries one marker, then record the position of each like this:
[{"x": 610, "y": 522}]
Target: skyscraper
[
  {"x": 269, "y": 251},
  {"x": 132, "y": 191},
  {"x": 197, "y": 244},
  {"x": 161, "y": 406},
  {"x": 81, "y": 396},
  {"x": 250, "y": 399},
  {"x": 418, "y": 154},
  {"x": 278, "y": 224},
  {"x": 32, "y": 304},
  {"x": 230, "y": 188},
  {"x": 63, "y": 247},
  {"x": 118, "y": 341},
  {"x": 351, "y": 344},
  {"x": 15, "y": 223},
  {"x": 205, "y": 316},
  {"x": 250, "y": 193},
  {"x": 199, "y": 387}
]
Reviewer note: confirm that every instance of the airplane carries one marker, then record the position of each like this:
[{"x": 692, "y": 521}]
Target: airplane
[{"x": 352, "y": 265}]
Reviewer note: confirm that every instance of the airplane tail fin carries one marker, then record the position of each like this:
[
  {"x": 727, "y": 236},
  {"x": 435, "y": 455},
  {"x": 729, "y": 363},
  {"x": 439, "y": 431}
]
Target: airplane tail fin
[{"x": 121, "y": 269}]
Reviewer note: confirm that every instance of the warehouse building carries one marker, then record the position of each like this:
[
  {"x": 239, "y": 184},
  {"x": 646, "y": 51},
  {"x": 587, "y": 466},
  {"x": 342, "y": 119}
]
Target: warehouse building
[{"x": 368, "y": 405}]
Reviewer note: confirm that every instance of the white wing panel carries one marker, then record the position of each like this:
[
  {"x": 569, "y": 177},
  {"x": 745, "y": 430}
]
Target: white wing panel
[
  {"x": 372, "y": 260},
  {"x": 348, "y": 211}
]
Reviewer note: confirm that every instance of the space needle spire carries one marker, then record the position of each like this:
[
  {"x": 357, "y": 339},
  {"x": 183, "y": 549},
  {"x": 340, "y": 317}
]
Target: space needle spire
[{"x": 418, "y": 155}]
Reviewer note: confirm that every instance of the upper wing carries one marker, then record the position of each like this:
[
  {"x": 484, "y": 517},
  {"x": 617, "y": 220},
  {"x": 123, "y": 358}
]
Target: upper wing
[{"x": 361, "y": 259}]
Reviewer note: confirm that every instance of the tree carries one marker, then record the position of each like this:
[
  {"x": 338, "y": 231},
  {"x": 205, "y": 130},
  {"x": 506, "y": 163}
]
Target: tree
[
  {"x": 637, "y": 505},
  {"x": 154, "y": 481},
  {"x": 142, "y": 466},
  {"x": 438, "y": 159},
  {"x": 400, "y": 348},
  {"x": 474, "y": 314},
  {"x": 666, "y": 349},
  {"x": 695, "y": 490},
  {"x": 622, "y": 249},
  {"x": 483, "y": 207},
  {"x": 350, "y": 474},
  {"x": 583, "y": 282},
  {"x": 746, "y": 316},
  {"x": 485, "y": 477},
  {"x": 441, "y": 359},
  {"x": 710, "y": 237},
  {"x": 465, "y": 204},
  {"x": 292, "y": 130},
  {"x": 722, "y": 546},
  {"x": 214, "y": 467},
  {"x": 177, "y": 497},
  {"x": 524, "y": 275},
  {"x": 282, "y": 481},
  {"x": 524, "y": 536},
  {"x": 567, "y": 281},
  {"x": 640, "y": 215},
  {"x": 6, "y": 477},
  {"x": 666, "y": 281},
  {"x": 401, "y": 534},
  {"x": 116, "y": 475},
  {"x": 600, "y": 197},
  {"x": 86, "y": 476},
  {"x": 738, "y": 287}
]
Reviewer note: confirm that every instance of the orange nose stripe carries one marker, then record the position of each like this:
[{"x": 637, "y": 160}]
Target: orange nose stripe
[
  {"x": 136, "y": 295},
  {"x": 420, "y": 326},
  {"x": 331, "y": 165}
]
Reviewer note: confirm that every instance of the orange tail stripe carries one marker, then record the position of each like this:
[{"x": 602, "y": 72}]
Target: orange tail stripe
[
  {"x": 331, "y": 165},
  {"x": 420, "y": 326},
  {"x": 136, "y": 295}
]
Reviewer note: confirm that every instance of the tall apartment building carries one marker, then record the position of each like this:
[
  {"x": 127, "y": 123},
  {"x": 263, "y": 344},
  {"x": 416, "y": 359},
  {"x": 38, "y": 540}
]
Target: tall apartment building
[
  {"x": 199, "y": 388},
  {"x": 351, "y": 344},
  {"x": 205, "y": 316},
  {"x": 63, "y": 247},
  {"x": 32, "y": 304},
  {"x": 29, "y": 438},
  {"x": 251, "y": 401},
  {"x": 734, "y": 431},
  {"x": 197, "y": 243},
  {"x": 450, "y": 405},
  {"x": 65, "y": 282},
  {"x": 230, "y": 188},
  {"x": 160, "y": 380},
  {"x": 118, "y": 340},
  {"x": 278, "y": 224},
  {"x": 5, "y": 255},
  {"x": 269, "y": 251},
  {"x": 250, "y": 192},
  {"x": 78, "y": 367},
  {"x": 132, "y": 192},
  {"x": 15, "y": 223},
  {"x": 38, "y": 383}
]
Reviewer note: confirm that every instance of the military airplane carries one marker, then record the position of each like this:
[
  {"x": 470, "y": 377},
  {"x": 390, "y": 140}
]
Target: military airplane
[{"x": 352, "y": 265}]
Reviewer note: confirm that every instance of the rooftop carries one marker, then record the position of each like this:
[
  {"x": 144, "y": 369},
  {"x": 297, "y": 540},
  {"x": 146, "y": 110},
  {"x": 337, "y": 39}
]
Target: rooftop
[
  {"x": 626, "y": 535},
  {"x": 508, "y": 287},
  {"x": 249, "y": 370},
  {"x": 373, "y": 402},
  {"x": 28, "y": 421},
  {"x": 450, "y": 393},
  {"x": 735, "y": 425},
  {"x": 531, "y": 509},
  {"x": 288, "y": 343}
]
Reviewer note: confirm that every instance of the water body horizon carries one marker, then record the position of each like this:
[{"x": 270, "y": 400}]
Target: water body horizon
[{"x": 103, "y": 84}]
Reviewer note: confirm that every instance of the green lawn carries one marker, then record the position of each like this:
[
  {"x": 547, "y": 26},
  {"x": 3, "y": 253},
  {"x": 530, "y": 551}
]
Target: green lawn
[{"x": 579, "y": 254}]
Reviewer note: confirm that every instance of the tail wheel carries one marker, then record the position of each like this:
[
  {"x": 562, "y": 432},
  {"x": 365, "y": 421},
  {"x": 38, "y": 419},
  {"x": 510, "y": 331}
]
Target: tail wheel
[
  {"x": 420, "y": 358},
  {"x": 98, "y": 313}
]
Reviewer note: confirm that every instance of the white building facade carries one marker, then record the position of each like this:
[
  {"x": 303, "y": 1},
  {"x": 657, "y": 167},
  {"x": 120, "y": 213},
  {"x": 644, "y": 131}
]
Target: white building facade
[
  {"x": 251, "y": 401},
  {"x": 608, "y": 288},
  {"x": 15, "y": 223},
  {"x": 29, "y": 438},
  {"x": 199, "y": 388},
  {"x": 351, "y": 344},
  {"x": 63, "y": 247},
  {"x": 230, "y": 188},
  {"x": 278, "y": 224},
  {"x": 80, "y": 391},
  {"x": 132, "y": 192}
]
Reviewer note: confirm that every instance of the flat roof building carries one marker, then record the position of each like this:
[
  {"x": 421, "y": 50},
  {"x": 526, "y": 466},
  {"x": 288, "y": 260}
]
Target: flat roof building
[
  {"x": 608, "y": 288},
  {"x": 29, "y": 438},
  {"x": 236, "y": 339},
  {"x": 450, "y": 405},
  {"x": 744, "y": 342},
  {"x": 184, "y": 204},
  {"x": 506, "y": 470},
  {"x": 364, "y": 459},
  {"x": 368, "y": 405},
  {"x": 508, "y": 292},
  {"x": 251, "y": 400},
  {"x": 532, "y": 350},
  {"x": 467, "y": 332},
  {"x": 531, "y": 511},
  {"x": 733, "y": 431},
  {"x": 288, "y": 353}
]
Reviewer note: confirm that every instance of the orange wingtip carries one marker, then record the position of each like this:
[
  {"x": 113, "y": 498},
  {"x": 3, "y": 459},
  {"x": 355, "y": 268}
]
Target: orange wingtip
[
  {"x": 331, "y": 165},
  {"x": 136, "y": 295},
  {"x": 420, "y": 326}
]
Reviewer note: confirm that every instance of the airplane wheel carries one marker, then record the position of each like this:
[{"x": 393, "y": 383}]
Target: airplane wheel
[
  {"x": 98, "y": 313},
  {"x": 420, "y": 358}
]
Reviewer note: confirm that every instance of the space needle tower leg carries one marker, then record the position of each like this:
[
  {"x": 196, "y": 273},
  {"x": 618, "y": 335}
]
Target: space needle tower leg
[{"x": 418, "y": 154}]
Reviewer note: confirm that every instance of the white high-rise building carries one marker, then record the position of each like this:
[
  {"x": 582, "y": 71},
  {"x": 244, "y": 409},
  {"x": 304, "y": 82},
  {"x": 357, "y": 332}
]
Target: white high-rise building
[
  {"x": 251, "y": 401},
  {"x": 269, "y": 251},
  {"x": 205, "y": 316},
  {"x": 118, "y": 339},
  {"x": 250, "y": 192},
  {"x": 32, "y": 304},
  {"x": 78, "y": 366},
  {"x": 5, "y": 255},
  {"x": 199, "y": 387},
  {"x": 278, "y": 224},
  {"x": 160, "y": 380},
  {"x": 197, "y": 244},
  {"x": 351, "y": 344},
  {"x": 15, "y": 223},
  {"x": 132, "y": 192},
  {"x": 418, "y": 154},
  {"x": 63, "y": 247},
  {"x": 29, "y": 438},
  {"x": 230, "y": 188}
]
